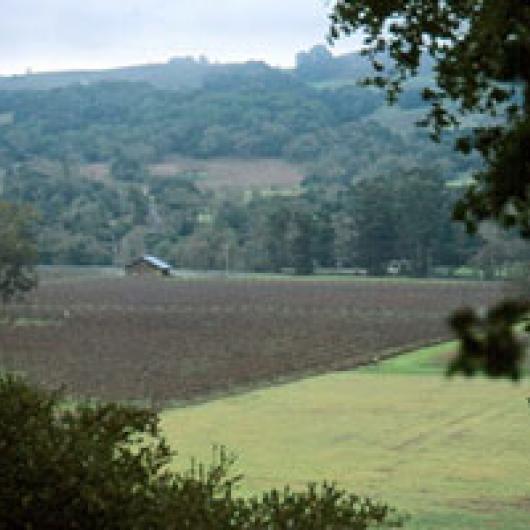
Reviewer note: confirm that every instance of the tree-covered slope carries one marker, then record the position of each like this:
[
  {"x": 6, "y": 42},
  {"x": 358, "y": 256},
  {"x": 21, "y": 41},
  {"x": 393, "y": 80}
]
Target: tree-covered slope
[
  {"x": 261, "y": 112},
  {"x": 314, "y": 117}
]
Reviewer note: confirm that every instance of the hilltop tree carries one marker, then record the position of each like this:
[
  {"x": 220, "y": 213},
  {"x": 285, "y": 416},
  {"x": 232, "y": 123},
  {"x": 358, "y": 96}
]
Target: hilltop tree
[
  {"x": 17, "y": 251},
  {"x": 481, "y": 54}
]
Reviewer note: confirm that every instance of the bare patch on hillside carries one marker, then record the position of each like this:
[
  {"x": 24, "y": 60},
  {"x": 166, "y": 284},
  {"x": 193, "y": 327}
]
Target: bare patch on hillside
[
  {"x": 99, "y": 172},
  {"x": 232, "y": 172},
  {"x": 216, "y": 172}
]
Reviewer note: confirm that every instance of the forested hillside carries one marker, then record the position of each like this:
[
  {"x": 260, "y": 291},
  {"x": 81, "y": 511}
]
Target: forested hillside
[{"x": 88, "y": 157}]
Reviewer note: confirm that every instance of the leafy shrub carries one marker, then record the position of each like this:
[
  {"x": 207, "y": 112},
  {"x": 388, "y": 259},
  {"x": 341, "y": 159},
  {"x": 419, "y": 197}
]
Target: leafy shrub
[{"x": 105, "y": 466}]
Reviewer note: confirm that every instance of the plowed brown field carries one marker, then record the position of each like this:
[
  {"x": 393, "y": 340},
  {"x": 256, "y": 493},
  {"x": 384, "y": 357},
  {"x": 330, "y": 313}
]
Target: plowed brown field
[{"x": 159, "y": 339}]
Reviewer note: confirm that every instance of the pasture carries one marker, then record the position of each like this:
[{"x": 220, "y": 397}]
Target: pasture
[
  {"x": 180, "y": 340},
  {"x": 452, "y": 453}
]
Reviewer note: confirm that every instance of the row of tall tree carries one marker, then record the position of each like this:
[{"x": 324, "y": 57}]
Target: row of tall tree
[{"x": 400, "y": 217}]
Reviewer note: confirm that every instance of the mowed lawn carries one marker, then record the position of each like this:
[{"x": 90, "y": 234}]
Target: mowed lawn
[{"x": 454, "y": 454}]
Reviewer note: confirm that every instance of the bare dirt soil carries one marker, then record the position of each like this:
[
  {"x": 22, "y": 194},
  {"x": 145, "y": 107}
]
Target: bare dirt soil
[
  {"x": 233, "y": 172},
  {"x": 167, "y": 339}
]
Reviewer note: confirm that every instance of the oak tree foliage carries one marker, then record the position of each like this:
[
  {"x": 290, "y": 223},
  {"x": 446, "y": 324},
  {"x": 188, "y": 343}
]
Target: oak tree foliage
[{"x": 481, "y": 55}]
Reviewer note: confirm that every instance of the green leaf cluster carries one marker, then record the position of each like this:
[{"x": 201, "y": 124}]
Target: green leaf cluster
[{"x": 491, "y": 344}]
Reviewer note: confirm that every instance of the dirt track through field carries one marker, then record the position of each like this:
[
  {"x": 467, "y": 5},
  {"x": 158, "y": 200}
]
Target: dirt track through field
[{"x": 161, "y": 340}]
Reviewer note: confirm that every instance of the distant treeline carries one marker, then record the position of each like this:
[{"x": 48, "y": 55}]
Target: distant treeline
[{"x": 400, "y": 216}]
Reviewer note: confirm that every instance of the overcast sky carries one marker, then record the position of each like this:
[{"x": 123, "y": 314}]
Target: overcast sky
[{"x": 45, "y": 35}]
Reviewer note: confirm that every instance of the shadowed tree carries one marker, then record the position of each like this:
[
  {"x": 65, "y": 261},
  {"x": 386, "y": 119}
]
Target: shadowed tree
[
  {"x": 301, "y": 242},
  {"x": 18, "y": 252},
  {"x": 375, "y": 219}
]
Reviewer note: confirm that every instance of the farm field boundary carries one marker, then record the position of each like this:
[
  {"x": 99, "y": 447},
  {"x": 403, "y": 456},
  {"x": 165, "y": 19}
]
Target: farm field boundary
[
  {"x": 179, "y": 274},
  {"x": 371, "y": 363},
  {"x": 67, "y": 273}
]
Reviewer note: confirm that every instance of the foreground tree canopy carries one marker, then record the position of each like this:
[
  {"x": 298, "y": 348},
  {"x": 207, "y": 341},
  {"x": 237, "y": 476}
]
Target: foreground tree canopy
[
  {"x": 17, "y": 250},
  {"x": 481, "y": 55},
  {"x": 106, "y": 466}
]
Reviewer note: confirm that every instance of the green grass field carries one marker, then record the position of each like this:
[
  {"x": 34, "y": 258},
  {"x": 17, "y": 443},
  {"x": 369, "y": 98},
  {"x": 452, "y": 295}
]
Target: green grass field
[{"x": 452, "y": 453}]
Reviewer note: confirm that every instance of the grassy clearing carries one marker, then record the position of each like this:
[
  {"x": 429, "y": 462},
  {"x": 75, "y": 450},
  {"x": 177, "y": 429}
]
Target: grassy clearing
[{"x": 453, "y": 453}]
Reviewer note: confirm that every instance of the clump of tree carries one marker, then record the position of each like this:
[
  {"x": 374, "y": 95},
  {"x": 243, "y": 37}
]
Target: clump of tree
[
  {"x": 405, "y": 216},
  {"x": 128, "y": 168},
  {"x": 89, "y": 466},
  {"x": 18, "y": 253}
]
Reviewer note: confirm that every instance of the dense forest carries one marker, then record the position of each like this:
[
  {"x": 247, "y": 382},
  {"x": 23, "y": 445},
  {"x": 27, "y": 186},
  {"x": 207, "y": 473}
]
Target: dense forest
[{"x": 356, "y": 206}]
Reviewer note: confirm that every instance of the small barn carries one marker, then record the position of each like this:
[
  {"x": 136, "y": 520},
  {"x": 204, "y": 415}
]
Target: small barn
[{"x": 148, "y": 265}]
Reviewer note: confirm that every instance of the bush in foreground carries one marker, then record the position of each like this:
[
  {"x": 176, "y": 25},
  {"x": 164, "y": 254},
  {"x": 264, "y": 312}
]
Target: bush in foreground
[{"x": 105, "y": 466}]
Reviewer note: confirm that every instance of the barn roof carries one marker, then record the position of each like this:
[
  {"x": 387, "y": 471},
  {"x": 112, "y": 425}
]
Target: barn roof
[{"x": 156, "y": 262}]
